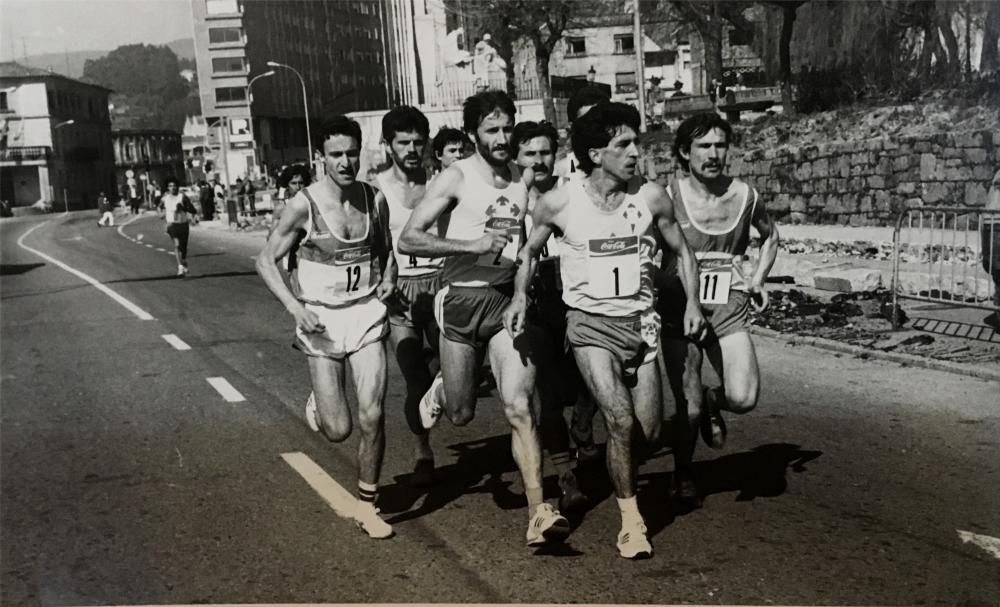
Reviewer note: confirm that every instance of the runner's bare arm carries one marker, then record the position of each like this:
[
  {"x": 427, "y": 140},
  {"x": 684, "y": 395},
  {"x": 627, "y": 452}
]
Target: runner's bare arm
[
  {"x": 769, "y": 247},
  {"x": 441, "y": 196},
  {"x": 280, "y": 241},
  {"x": 527, "y": 259},
  {"x": 390, "y": 270},
  {"x": 662, "y": 206}
]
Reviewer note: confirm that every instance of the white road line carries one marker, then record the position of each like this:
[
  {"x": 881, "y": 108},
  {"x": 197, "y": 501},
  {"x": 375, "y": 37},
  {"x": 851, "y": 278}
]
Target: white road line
[
  {"x": 990, "y": 544},
  {"x": 134, "y": 218},
  {"x": 161, "y": 249},
  {"x": 342, "y": 502},
  {"x": 149, "y": 245},
  {"x": 176, "y": 342},
  {"x": 226, "y": 389},
  {"x": 128, "y": 305}
]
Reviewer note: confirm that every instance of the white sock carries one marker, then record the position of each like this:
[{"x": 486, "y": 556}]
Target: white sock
[{"x": 629, "y": 509}]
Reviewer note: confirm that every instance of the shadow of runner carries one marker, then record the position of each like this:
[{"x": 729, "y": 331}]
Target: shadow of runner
[
  {"x": 174, "y": 276},
  {"x": 10, "y": 269},
  {"x": 760, "y": 472},
  {"x": 479, "y": 468}
]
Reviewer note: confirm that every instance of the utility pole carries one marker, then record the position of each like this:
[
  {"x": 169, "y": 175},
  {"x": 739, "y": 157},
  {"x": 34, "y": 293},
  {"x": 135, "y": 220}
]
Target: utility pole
[{"x": 640, "y": 78}]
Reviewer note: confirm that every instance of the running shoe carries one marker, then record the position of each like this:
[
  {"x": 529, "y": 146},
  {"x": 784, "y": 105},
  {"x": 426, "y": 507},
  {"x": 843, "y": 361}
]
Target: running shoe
[
  {"x": 632, "y": 541},
  {"x": 572, "y": 499},
  {"x": 713, "y": 427},
  {"x": 685, "y": 491},
  {"x": 312, "y": 415},
  {"x": 430, "y": 408},
  {"x": 547, "y": 526},
  {"x": 366, "y": 517},
  {"x": 180, "y": 270}
]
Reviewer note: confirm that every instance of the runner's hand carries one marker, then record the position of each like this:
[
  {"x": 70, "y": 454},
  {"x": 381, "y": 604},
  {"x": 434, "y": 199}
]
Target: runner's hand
[
  {"x": 759, "y": 297},
  {"x": 307, "y": 320},
  {"x": 385, "y": 290},
  {"x": 694, "y": 323},
  {"x": 492, "y": 242},
  {"x": 513, "y": 316}
]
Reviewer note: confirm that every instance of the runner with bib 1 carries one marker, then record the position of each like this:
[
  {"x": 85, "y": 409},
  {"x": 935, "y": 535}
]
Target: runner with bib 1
[
  {"x": 614, "y": 268},
  {"x": 508, "y": 255}
]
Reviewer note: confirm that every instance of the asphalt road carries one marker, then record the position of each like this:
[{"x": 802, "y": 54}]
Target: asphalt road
[{"x": 126, "y": 478}]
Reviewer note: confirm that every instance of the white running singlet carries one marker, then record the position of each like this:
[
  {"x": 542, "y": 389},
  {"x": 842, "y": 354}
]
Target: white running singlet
[
  {"x": 408, "y": 265},
  {"x": 606, "y": 257}
]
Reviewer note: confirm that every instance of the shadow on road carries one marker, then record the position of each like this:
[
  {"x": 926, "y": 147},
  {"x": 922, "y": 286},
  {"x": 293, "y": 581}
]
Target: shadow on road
[
  {"x": 10, "y": 269},
  {"x": 185, "y": 279},
  {"x": 760, "y": 472}
]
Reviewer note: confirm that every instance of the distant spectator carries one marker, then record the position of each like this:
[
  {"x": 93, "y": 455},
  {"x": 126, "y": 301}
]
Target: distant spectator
[
  {"x": 133, "y": 199},
  {"x": 206, "y": 199},
  {"x": 105, "y": 208},
  {"x": 240, "y": 191},
  {"x": 678, "y": 89},
  {"x": 250, "y": 192}
]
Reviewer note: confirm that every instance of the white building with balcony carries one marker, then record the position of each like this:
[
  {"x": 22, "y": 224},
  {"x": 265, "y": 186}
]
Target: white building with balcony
[{"x": 55, "y": 139}]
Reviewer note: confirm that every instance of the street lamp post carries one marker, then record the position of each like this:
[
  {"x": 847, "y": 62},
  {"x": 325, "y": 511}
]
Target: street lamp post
[
  {"x": 305, "y": 107},
  {"x": 65, "y": 194},
  {"x": 249, "y": 98}
]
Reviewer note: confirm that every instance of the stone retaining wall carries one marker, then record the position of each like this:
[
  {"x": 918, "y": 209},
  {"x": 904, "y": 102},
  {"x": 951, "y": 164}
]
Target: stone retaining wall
[{"x": 865, "y": 182}]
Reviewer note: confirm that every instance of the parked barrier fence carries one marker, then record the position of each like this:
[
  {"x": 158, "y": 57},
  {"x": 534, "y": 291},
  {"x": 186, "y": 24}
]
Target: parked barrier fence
[{"x": 947, "y": 255}]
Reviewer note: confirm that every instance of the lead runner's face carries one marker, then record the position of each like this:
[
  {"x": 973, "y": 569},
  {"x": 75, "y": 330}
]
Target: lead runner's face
[
  {"x": 621, "y": 156},
  {"x": 493, "y": 138},
  {"x": 342, "y": 158}
]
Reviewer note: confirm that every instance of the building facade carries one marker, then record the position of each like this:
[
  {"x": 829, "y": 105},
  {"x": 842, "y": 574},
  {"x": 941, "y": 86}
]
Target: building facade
[
  {"x": 146, "y": 157},
  {"x": 338, "y": 47},
  {"x": 55, "y": 139}
]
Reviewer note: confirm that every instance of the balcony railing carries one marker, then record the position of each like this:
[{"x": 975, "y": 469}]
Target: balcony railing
[{"x": 21, "y": 154}]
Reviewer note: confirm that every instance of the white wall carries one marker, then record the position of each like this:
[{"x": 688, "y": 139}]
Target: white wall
[{"x": 30, "y": 125}]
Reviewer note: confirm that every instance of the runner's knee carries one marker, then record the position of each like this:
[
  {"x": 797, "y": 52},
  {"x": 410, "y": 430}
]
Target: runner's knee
[
  {"x": 741, "y": 399},
  {"x": 619, "y": 423},
  {"x": 518, "y": 411}
]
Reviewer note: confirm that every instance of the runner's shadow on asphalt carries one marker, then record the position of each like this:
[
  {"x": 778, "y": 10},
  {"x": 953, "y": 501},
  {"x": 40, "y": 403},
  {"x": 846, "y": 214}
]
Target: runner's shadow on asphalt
[
  {"x": 760, "y": 472},
  {"x": 189, "y": 277},
  {"x": 479, "y": 467},
  {"x": 11, "y": 269}
]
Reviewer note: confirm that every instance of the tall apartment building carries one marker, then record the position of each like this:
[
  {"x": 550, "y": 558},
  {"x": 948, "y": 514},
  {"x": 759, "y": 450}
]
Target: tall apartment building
[{"x": 338, "y": 46}]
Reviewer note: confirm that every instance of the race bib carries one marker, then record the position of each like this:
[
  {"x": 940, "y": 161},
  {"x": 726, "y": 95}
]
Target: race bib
[
  {"x": 613, "y": 268},
  {"x": 353, "y": 270},
  {"x": 508, "y": 255},
  {"x": 412, "y": 262},
  {"x": 715, "y": 277}
]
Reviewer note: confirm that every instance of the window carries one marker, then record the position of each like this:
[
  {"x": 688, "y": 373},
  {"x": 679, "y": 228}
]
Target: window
[
  {"x": 576, "y": 46},
  {"x": 221, "y": 7},
  {"x": 219, "y": 35},
  {"x": 742, "y": 37},
  {"x": 229, "y": 94},
  {"x": 625, "y": 82},
  {"x": 3, "y": 103},
  {"x": 228, "y": 64},
  {"x": 624, "y": 43}
]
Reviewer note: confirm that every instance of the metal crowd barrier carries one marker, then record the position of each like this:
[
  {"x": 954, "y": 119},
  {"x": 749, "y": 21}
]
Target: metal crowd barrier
[{"x": 947, "y": 255}]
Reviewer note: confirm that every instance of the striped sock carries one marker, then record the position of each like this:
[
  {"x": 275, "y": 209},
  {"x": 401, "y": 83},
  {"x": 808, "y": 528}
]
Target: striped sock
[{"x": 367, "y": 492}]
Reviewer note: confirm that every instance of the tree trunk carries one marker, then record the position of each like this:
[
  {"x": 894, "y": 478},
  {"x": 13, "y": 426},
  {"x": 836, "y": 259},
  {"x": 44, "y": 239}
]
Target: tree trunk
[
  {"x": 542, "y": 55},
  {"x": 785, "y": 57},
  {"x": 989, "y": 59},
  {"x": 953, "y": 65}
]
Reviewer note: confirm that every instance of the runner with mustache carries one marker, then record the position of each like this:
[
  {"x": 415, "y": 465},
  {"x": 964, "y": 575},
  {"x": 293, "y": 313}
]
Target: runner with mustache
[
  {"x": 715, "y": 211},
  {"x": 486, "y": 200},
  {"x": 405, "y": 132},
  {"x": 535, "y": 145},
  {"x": 608, "y": 223}
]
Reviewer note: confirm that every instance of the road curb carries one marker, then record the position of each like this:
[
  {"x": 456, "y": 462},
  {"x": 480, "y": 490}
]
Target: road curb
[{"x": 896, "y": 357}]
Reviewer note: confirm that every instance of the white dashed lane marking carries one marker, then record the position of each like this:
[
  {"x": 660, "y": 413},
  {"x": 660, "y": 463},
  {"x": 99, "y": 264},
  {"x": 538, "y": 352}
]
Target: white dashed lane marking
[
  {"x": 342, "y": 502},
  {"x": 176, "y": 342},
  {"x": 226, "y": 389}
]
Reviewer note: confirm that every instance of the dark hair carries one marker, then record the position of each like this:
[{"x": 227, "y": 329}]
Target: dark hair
[
  {"x": 588, "y": 95},
  {"x": 171, "y": 179},
  {"x": 527, "y": 130},
  {"x": 294, "y": 170},
  {"x": 597, "y": 127},
  {"x": 404, "y": 119},
  {"x": 696, "y": 126},
  {"x": 448, "y": 135},
  {"x": 483, "y": 104},
  {"x": 338, "y": 124}
]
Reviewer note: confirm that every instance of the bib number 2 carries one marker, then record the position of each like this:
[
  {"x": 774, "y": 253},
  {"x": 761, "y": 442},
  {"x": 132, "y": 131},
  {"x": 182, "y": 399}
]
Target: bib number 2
[{"x": 506, "y": 257}]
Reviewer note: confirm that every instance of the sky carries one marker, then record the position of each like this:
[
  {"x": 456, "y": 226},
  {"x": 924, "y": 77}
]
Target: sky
[{"x": 56, "y": 26}]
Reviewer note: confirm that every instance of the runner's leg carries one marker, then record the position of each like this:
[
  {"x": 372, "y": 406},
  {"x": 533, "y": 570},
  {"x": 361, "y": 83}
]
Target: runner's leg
[
  {"x": 368, "y": 371},
  {"x": 331, "y": 399}
]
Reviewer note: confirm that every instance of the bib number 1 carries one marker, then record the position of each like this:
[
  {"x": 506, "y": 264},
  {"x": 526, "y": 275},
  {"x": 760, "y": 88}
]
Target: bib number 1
[{"x": 613, "y": 268}]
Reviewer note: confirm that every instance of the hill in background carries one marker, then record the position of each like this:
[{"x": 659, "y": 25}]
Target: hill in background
[{"x": 71, "y": 63}]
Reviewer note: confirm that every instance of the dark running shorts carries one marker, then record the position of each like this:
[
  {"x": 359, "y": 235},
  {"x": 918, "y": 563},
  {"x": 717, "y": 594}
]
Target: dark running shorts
[
  {"x": 413, "y": 304},
  {"x": 722, "y": 319},
  {"x": 471, "y": 315},
  {"x": 180, "y": 231},
  {"x": 632, "y": 339}
]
